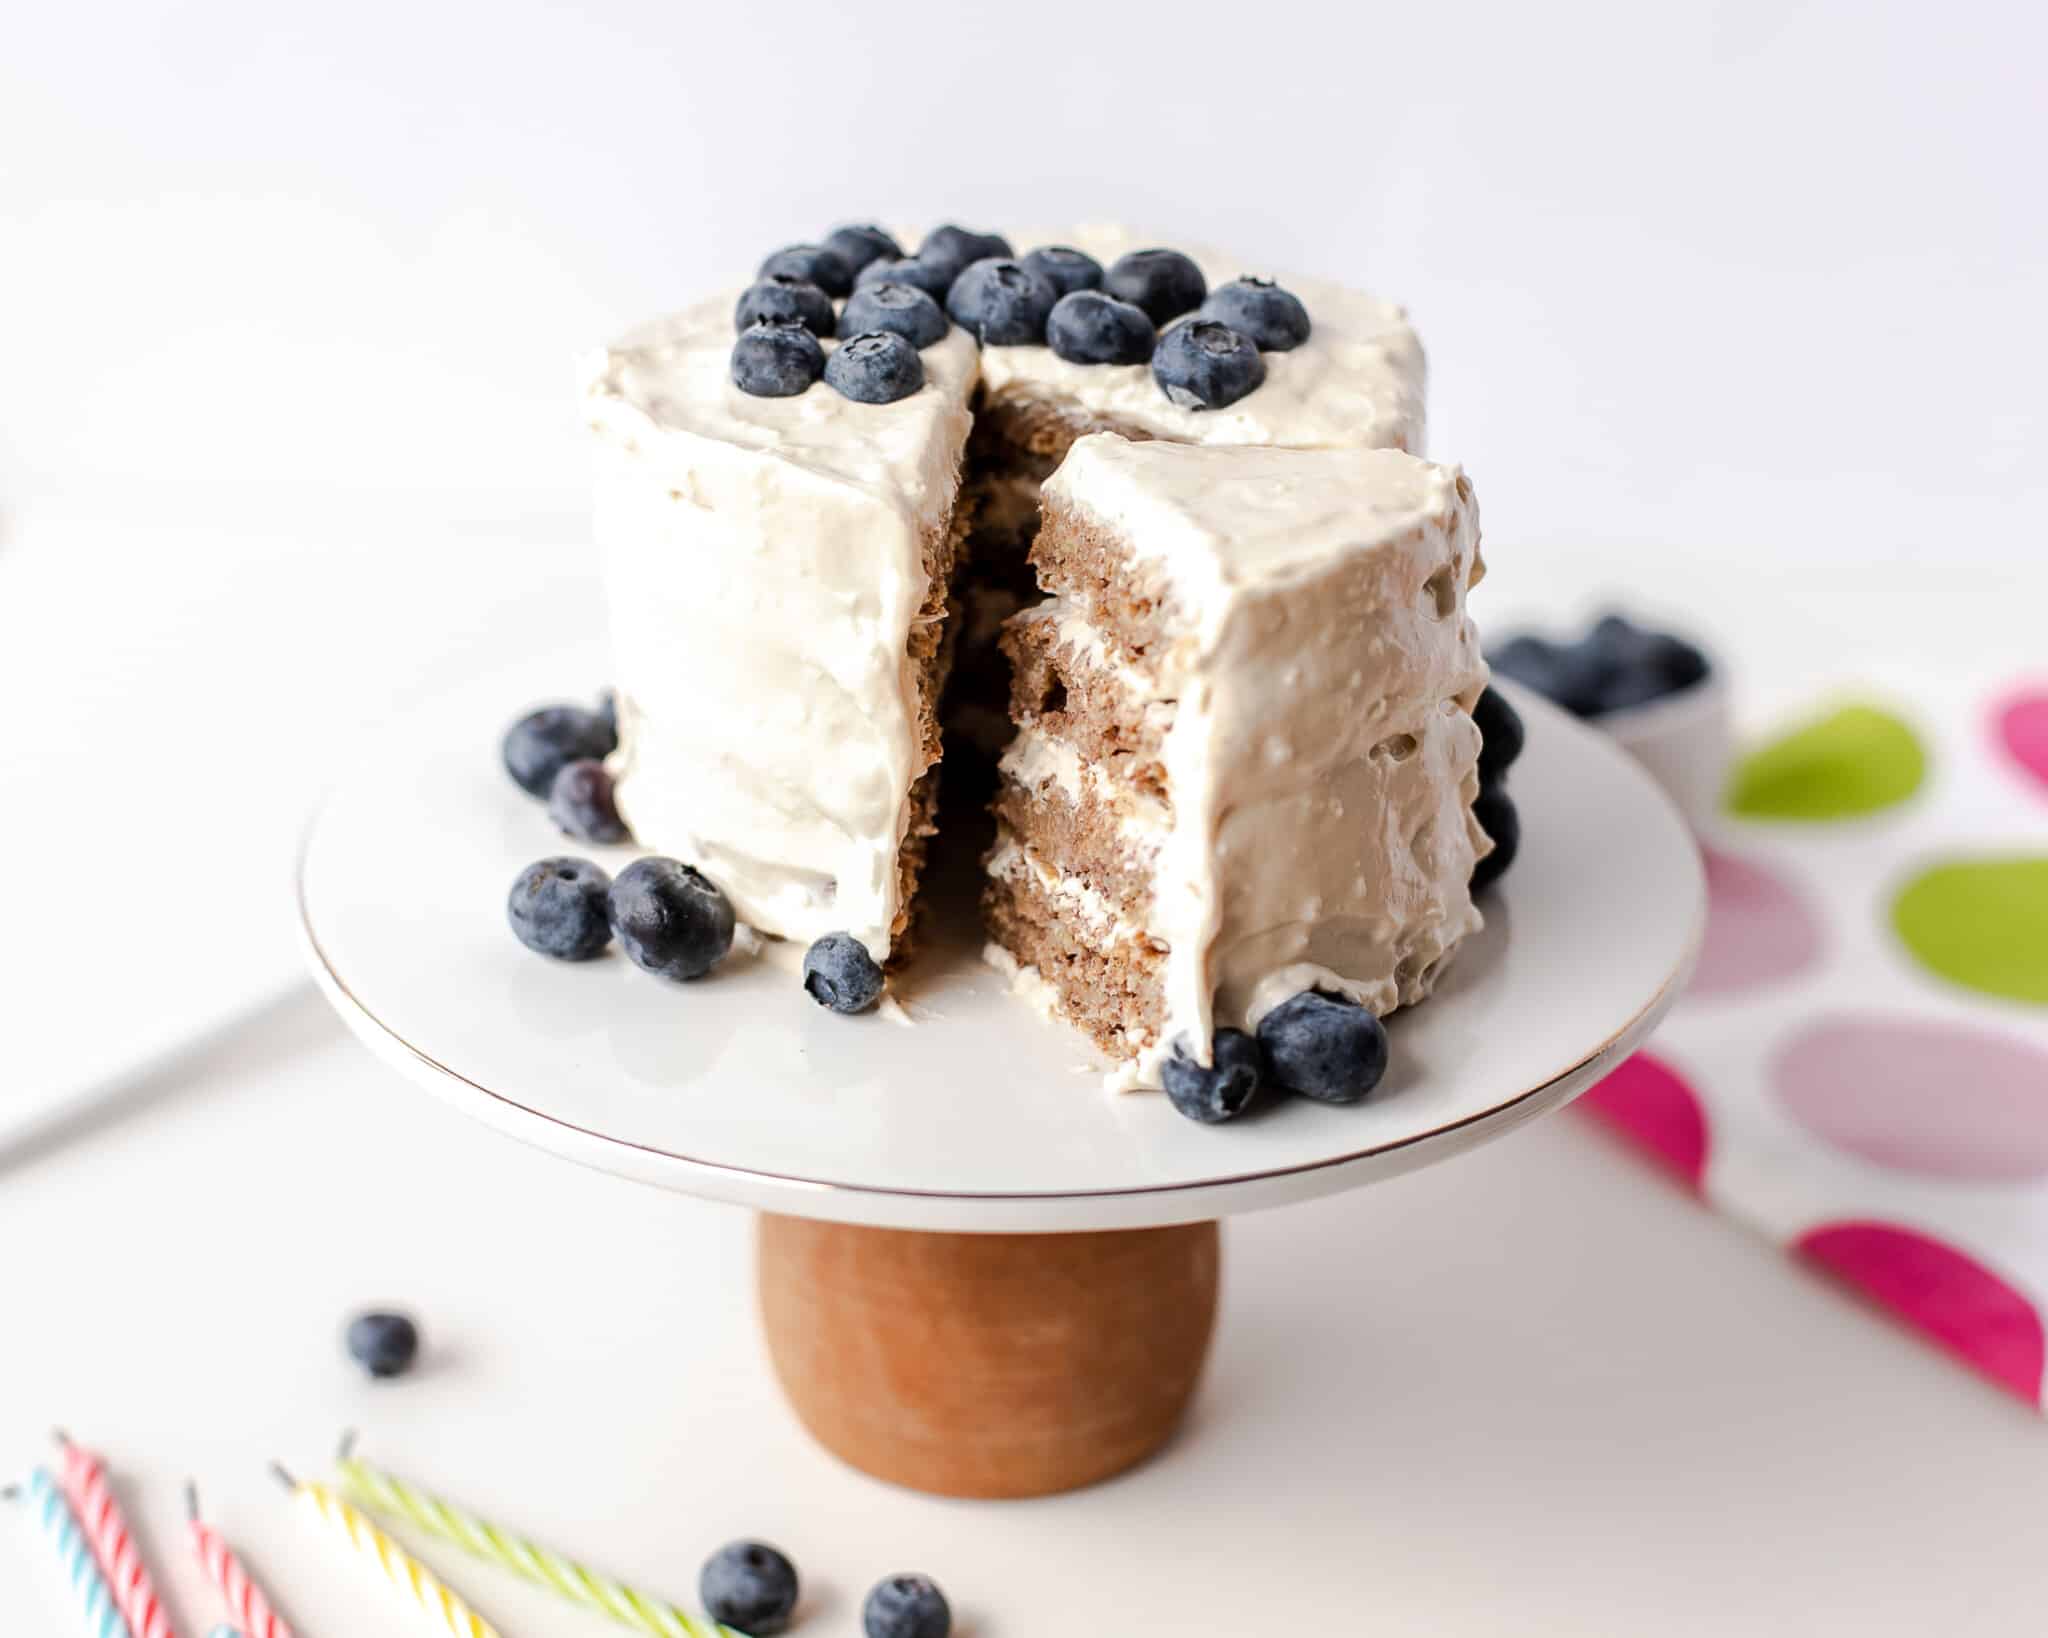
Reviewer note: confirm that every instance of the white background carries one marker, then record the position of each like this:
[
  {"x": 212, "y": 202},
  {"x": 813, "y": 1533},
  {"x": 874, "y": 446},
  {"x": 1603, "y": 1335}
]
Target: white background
[{"x": 1736, "y": 310}]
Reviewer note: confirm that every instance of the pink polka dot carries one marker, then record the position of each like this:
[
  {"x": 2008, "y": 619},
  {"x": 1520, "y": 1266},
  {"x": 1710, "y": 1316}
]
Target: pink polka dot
[
  {"x": 1759, "y": 931},
  {"x": 1648, "y": 1102},
  {"x": 1959, "y": 1303},
  {"x": 1915, "y": 1095},
  {"x": 2021, "y": 723}
]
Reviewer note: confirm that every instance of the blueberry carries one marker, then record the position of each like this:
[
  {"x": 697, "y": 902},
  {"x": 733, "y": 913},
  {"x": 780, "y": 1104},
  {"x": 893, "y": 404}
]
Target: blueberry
[
  {"x": 1218, "y": 1091},
  {"x": 859, "y": 243},
  {"x": 1163, "y": 282},
  {"x": 1201, "y": 364},
  {"x": 1088, "y": 327},
  {"x": 1500, "y": 734},
  {"x": 1573, "y": 677},
  {"x": 906, "y": 1606},
  {"x": 539, "y": 743},
  {"x": 225, "y": 1631},
  {"x": 827, "y": 269},
  {"x": 1274, "y": 318},
  {"x": 558, "y": 908},
  {"x": 955, "y": 249},
  {"x": 840, "y": 974},
  {"x": 1324, "y": 1047},
  {"x": 1065, "y": 268},
  {"x": 383, "y": 1344},
  {"x": 749, "y": 1585},
  {"x": 784, "y": 299},
  {"x": 671, "y": 920},
  {"x": 776, "y": 360},
  {"x": 933, "y": 279},
  {"x": 1001, "y": 303},
  {"x": 875, "y": 367},
  {"x": 581, "y": 804},
  {"x": 1496, "y": 814},
  {"x": 901, "y": 308}
]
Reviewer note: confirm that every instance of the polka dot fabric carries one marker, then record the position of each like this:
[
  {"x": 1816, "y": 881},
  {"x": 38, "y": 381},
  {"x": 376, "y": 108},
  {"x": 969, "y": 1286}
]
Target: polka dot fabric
[{"x": 1860, "y": 1069}]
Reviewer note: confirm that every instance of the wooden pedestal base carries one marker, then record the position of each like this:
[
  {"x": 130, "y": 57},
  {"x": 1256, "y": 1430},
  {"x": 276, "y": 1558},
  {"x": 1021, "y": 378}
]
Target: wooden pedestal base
[{"x": 988, "y": 1365}]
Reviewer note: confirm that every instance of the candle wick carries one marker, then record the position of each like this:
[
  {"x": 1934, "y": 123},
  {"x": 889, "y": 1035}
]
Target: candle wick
[
  {"x": 61, "y": 1437},
  {"x": 283, "y": 1476},
  {"x": 347, "y": 1447},
  {"x": 11, "y": 1491},
  {"x": 192, "y": 1501}
]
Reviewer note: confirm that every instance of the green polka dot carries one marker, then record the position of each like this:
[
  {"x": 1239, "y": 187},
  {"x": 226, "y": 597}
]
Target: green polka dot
[
  {"x": 1855, "y": 761},
  {"x": 1981, "y": 923}
]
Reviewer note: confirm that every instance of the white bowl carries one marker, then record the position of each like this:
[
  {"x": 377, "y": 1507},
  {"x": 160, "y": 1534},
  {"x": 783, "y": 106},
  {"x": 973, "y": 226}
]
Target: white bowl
[{"x": 1684, "y": 740}]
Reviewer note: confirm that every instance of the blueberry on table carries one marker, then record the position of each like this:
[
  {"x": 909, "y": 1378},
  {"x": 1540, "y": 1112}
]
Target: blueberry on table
[
  {"x": 540, "y": 743},
  {"x": 1495, "y": 811},
  {"x": 875, "y": 367},
  {"x": 385, "y": 1345},
  {"x": 827, "y": 269},
  {"x": 1163, "y": 282},
  {"x": 902, "y": 309},
  {"x": 582, "y": 804},
  {"x": 783, "y": 298},
  {"x": 930, "y": 277},
  {"x": 1087, "y": 327},
  {"x": 776, "y": 360},
  {"x": 954, "y": 248},
  {"x": 1500, "y": 735},
  {"x": 671, "y": 920},
  {"x": 1065, "y": 268},
  {"x": 1203, "y": 365},
  {"x": 226, "y": 1632},
  {"x": 1273, "y": 318},
  {"x": 840, "y": 974},
  {"x": 859, "y": 243},
  {"x": 1002, "y": 303},
  {"x": 1220, "y": 1090},
  {"x": 1324, "y": 1047},
  {"x": 560, "y": 908},
  {"x": 906, "y": 1606},
  {"x": 749, "y": 1585}
]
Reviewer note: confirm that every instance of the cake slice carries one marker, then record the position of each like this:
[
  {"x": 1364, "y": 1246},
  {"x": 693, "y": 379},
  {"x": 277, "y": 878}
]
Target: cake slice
[{"x": 1246, "y": 760}]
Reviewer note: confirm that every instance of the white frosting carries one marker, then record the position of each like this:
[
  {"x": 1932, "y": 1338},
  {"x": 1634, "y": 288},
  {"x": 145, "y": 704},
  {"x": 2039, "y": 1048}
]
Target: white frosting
[
  {"x": 1322, "y": 760},
  {"x": 765, "y": 560}
]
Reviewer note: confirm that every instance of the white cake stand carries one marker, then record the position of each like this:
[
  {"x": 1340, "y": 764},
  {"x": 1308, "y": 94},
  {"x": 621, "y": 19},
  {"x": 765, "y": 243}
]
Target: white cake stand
[{"x": 980, "y": 1273}]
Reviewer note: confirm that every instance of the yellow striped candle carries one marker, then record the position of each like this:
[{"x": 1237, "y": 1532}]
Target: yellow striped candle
[
  {"x": 423, "y": 1589},
  {"x": 642, "y": 1611}
]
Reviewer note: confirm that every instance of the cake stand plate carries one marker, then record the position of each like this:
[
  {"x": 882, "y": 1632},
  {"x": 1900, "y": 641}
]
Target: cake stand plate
[{"x": 981, "y": 1274}]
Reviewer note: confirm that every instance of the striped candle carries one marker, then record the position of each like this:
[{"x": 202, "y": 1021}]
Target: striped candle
[
  {"x": 406, "y": 1574},
  {"x": 103, "y": 1616},
  {"x": 245, "y": 1599},
  {"x": 113, "y": 1543}
]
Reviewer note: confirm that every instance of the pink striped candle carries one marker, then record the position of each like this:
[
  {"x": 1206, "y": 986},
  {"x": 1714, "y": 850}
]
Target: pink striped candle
[
  {"x": 113, "y": 1544},
  {"x": 251, "y": 1610}
]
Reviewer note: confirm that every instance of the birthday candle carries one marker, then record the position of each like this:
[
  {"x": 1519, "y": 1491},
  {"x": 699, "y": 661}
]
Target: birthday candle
[
  {"x": 405, "y": 1573},
  {"x": 245, "y": 1599},
  {"x": 102, "y": 1616},
  {"x": 113, "y": 1544},
  {"x": 573, "y": 1581}
]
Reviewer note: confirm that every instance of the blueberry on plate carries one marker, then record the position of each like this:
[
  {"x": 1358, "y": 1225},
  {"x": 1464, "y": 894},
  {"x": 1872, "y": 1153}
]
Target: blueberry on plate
[
  {"x": 773, "y": 360},
  {"x": 385, "y": 1345},
  {"x": 671, "y": 921},
  {"x": 1065, "y": 268},
  {"x": 749, "y": 1585},
  {"x": 1274, "y": 318},
  {"x": 1324, "y": 1047},
  {"x": 1002, "y": 303},
  {"x": 582, "y": 804},
  {"x": 1220, "y": 1090},
  {"x": 538, "y": 745},
  {"x": 906, "y": 1606},
  {"x": 781, "y": 298},
  {"x": 825, "y": 268},
  {"x": 875, "y": 367},
  {"x": 840, "y": 974},
  {"x": 558, "y": 908},
  {"x": 1500, "y": 735},
  {"x": 1203, "y": 365},
  {"x": 859, "y": 243},
  {"x": 902, "y": 309},
  {"x": 1495, "y": 811},
  {"x": 933, "y": 279},
  {"x": 1087, "y": 327},
  {"x": 955, "y": 248},
  {"x": 1163, "y": 282}
]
